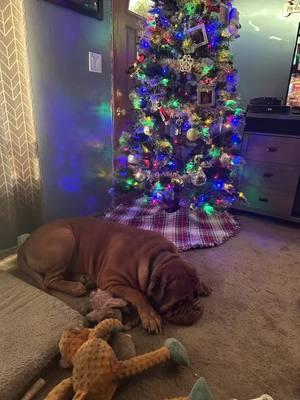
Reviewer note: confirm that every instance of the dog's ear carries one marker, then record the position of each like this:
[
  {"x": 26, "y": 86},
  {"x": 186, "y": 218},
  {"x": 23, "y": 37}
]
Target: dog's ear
[{"x": 157, "y": 287}]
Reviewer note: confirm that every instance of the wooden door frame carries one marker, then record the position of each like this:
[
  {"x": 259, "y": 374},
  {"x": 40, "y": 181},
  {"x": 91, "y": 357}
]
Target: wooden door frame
[{"x": 126, "y": 197}]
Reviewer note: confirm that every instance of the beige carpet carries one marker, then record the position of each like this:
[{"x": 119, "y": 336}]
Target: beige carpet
[{"x": 248, "y": 341}]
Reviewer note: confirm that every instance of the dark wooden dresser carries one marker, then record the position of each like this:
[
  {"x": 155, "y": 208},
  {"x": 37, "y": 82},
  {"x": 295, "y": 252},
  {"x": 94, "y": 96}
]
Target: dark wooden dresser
[{"x": 271, "y": 176}]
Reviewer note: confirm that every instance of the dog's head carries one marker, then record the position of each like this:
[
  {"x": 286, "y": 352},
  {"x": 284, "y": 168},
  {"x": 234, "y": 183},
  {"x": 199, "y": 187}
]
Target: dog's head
[{"x": 175, "y": 290}]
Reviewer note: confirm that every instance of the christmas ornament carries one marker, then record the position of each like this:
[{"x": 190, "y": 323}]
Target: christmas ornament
[
  {"x": 164, "y": 116},
  {"x": 186, "y": 63},
  {"x": 148, "y": 131},
  {"x": 140, "y": 176},
  {"x": 198, "y": 178},
  {"x": 187, "y": 45},
  {"x": 134, "y": 159},
  {"x": 193, "y": 134}
]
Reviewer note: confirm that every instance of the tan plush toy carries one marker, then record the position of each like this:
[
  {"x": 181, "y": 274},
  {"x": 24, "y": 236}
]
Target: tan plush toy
[{"x": 96, "y": 369}]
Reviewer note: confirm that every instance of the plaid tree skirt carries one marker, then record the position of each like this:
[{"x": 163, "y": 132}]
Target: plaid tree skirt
[{"x": 186, "y": 229}]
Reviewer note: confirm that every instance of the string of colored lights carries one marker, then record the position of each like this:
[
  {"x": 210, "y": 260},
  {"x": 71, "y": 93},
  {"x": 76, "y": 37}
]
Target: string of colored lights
[{"x": 182, "y": 150}]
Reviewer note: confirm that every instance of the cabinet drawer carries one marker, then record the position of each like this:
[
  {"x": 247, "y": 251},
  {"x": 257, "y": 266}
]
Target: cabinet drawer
[
  {"x": 269, "y": 201},
  {"x": 283, "y": 150},
  {"x": 271, "y": 176}
]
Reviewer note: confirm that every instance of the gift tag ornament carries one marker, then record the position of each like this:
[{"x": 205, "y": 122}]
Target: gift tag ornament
[{"x": 186, "y": 63}]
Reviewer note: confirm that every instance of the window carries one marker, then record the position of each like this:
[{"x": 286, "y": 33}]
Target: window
[{"x": 140, "y": 7}]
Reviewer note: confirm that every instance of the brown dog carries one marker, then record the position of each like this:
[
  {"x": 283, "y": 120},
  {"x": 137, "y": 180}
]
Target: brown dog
[{"x": 141, "y": 267}]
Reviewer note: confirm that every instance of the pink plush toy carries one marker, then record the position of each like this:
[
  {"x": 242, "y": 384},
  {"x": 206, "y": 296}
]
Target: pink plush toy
[{"x": 104, "y": 305}]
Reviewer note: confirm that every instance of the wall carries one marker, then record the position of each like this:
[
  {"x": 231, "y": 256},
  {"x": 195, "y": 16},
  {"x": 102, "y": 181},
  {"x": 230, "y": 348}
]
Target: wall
[
  {"x": 265, "y": 50},
  {"x": 72, "y": 107}
]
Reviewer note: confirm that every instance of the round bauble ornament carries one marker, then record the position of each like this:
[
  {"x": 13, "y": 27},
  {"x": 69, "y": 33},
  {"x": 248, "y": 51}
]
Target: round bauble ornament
[
  {"x": 156, "y": 39},
  {"x": 134, "y": 159},
  {"x": 140, "y": 176},
  {"x": 198, "y": 178},
  {"x": 193, "y": 134},
  {"x": 225, "y": 160}
]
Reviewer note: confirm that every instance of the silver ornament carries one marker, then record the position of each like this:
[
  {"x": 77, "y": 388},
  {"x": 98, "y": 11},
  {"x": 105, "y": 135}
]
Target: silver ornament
[
  {"x": 198, "y": 178},
  {"x": 133, "y": 159}
]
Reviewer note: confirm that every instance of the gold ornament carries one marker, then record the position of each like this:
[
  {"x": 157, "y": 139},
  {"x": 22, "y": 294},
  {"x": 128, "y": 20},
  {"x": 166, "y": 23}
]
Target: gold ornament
[
  {"x": 195, "y": 118},
  {"x": 224, "y": 56},
  {"x": 193, "y": 134},
  {"x": 186, "y": 63},
  {"x": 156, "y": 39},
  {"x": 187, "y": 44}
]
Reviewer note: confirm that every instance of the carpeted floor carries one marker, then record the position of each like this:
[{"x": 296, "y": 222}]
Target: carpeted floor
[{"x": 247, "y": 342}]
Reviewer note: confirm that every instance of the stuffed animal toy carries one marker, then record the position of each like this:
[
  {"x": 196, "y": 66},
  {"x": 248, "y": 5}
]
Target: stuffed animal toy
[
  {"x": 201, "y": 391},
  {"x": 104, "y": 305},
  {"x": 96, "y": 369}
]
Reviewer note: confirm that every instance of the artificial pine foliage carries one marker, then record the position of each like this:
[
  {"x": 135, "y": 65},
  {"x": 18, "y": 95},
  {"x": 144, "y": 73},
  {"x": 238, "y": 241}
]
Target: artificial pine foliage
[{"x": 182, "y": 150}]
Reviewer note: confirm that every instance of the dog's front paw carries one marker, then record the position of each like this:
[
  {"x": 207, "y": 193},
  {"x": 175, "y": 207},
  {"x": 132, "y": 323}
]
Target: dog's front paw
[
  {"x": 78, "y": 289},
  {"x": 151, "y": 321}
]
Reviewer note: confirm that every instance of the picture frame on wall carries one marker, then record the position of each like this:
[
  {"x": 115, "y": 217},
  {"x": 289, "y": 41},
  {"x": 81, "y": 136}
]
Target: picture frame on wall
[
  {"x": 91, "y": 8},
  {"x": 206, "y": 96},
  {"x": 198, "y": 35},
  {"x": 224, "y": 14}
]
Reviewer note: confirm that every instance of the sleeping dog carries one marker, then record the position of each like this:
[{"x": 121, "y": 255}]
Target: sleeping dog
[{"x": 141, "y": 267}]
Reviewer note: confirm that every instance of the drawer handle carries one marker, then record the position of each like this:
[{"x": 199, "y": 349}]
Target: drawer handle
[
  {"x": 268, "y": 175},
  {"x": 263, "y": 199},
  {"x": 272, "y": 149}
]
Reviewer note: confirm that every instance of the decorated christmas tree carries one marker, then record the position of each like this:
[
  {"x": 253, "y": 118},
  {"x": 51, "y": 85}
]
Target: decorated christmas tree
[{"x": 182, "y": 150}]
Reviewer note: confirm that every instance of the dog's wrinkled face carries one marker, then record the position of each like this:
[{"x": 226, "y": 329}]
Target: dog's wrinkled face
[{"x": 175, "y": 289}]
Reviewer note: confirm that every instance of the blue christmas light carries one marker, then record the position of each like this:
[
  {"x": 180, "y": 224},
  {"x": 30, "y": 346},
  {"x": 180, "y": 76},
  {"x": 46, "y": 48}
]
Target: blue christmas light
[
  {"x": 179, "y": 35},
  {"x": 219, "y": 184},
  {"x": 201, "y": 200},
  {"x": 142, "y": 91},
  {"x": 165, "y": 22},
  {"x": 144, "y": 44},
  {"x": 236, "y": 140},
  {"x": 155, "y": 11},
  {"x": 186, "y": 126},
  {"x": 165, "y": 70}
]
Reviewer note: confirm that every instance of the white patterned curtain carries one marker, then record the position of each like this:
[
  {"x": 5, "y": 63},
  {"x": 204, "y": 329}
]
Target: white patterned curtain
[{"x": 20, "y": 186}]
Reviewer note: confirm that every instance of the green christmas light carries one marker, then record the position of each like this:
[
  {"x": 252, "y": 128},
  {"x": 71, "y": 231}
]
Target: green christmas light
[
  {"x": 130, "y": 182},
  {"x": 158, "y": 186},
  {"x": 148, "y": 121},
  {"x": 190, "y": 166},
  {"x": 165, "y": 81},
  {"x": 215, "y": 152},
  {"x": 230, "y": 103},
  {"x": 205, "y": 132},
  {"x": 175, "y": 103},
  {"x": 136, "y": 103},
  {"x": 206, "y": 69},
  {"x": 208, "y": 209},
  {"x": 239, "y": 111},
  {"x": 122, "y": 141},
  {"x": 141, "y": 76},
  {"x": 190, "y": 9}
]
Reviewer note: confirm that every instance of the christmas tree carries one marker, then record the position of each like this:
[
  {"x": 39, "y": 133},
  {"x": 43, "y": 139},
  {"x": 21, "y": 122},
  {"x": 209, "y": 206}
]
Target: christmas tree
[{"x": 182, "y": 150}]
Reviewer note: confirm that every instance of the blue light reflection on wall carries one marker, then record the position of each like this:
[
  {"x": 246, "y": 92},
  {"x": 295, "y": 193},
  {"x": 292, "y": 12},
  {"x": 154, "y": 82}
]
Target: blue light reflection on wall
[{"x": 73, "y": 107}]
